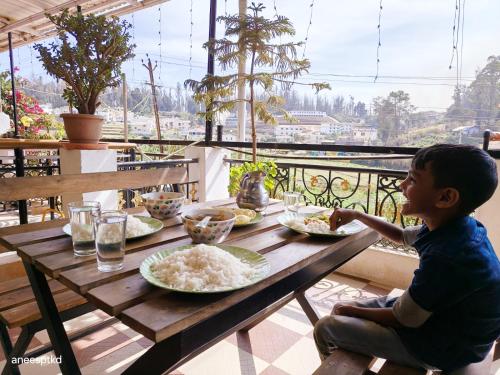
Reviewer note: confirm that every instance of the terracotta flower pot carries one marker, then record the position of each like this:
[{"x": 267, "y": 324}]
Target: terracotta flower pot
[{"x": 83, "y": 128}]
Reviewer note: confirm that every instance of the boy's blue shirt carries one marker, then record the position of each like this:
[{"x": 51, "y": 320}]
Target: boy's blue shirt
[{"x": 458, "y": 280}]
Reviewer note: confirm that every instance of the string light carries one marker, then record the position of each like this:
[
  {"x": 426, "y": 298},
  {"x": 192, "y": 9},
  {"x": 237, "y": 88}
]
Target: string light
[
  {"x": 454, "y": 47},
  {"x": 458, "y": 41},
  {"x": 379, "y": 43},
  {"x": 31, "y": 62},
  {"x": 311, "y": 6},
  {"x": 133, "y": 40},
  {"x": 225, "y": 7},
  {"x": 191, "y": 39},
  {"x": 275, "y": 9},
  {"x": 159, "y": 44},
  {"x": 462, "y": 42}
]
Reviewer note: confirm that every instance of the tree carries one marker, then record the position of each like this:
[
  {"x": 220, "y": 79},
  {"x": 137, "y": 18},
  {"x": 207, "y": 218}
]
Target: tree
[
  {"x": 88, "y": 56},
  {"x": 393, "y": 113},
  {"x": 254, "y": 39},
  {"x": 480, "y": 101},
  {"x": 360, "y": 110}
]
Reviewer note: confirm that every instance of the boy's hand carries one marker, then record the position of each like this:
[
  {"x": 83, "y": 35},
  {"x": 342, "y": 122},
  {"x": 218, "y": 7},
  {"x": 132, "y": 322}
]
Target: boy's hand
[
  {"x": 342, "y": 216},
  {"x": 340, "y": 309}
]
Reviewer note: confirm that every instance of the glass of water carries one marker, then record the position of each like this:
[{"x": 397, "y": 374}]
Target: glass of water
[
  {"x": 110, "y": 233},
  {"x": 82, "y": 216},
  {"x": 293, "y": 201}
]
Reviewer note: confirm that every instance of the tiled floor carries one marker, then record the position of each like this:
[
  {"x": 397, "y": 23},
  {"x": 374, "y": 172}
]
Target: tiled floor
[{"x": 282, "y": 344}]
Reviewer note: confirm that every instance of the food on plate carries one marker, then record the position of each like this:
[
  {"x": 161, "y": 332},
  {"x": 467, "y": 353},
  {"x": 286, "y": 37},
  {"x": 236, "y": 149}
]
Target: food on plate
[
  {"x": 321, "y": 218},
  {"x": 319, "y": 223},
  {"x": 242, "y": 219},
  {"x": 136, "y": 227},
  {"x": 240, "y": 211},
  {"x": 202, "y": 268}
]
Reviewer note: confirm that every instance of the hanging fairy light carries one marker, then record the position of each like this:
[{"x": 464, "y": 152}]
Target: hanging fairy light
[
  {"x": 191, "y": 39},
  {"x": 133, "y": 41},
  {"x": 379, "y": 44},
  {"x": 454, "y": 33},
  {"x": 159, "y": 43},
  {"x": 458, "y": 38},
  {"x": 275, "y": 9},
  {"x": 31, "y": 62},
  {"x": 311, "y": 6},
  {"x": 462, "y": 39}
]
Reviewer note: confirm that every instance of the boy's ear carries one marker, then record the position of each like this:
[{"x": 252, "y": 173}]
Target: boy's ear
[{"x": 448, "y": 198}]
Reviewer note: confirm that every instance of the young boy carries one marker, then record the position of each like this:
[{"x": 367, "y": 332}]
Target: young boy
[{"x": 449, "y": 317}]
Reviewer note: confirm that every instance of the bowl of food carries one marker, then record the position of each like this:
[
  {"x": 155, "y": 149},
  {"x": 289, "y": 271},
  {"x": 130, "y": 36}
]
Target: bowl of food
[
  {"x": 162, "y": 205},
  {"x": 214, "y": 229}
]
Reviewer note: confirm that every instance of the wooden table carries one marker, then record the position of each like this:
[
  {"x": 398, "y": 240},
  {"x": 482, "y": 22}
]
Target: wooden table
[{"x": 181, "y": 325}]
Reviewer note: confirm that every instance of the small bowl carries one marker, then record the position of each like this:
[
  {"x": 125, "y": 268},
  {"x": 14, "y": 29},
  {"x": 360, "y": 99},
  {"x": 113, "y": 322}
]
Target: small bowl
[
  {"x": 216, "y": 231},
  {"x": 162, "y": 205}
]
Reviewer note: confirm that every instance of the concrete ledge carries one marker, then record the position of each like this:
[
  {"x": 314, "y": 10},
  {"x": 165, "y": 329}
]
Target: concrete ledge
[{"x": 387, "y": 268}]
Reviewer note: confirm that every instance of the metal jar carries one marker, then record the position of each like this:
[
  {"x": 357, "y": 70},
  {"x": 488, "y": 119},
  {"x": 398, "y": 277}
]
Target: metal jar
[{"x": 253, "y": 194}]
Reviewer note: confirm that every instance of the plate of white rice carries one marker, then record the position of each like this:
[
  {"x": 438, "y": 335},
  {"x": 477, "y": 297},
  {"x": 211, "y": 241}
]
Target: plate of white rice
[
  {"x": 137, "y": 226},
  {"x": 318, "y": 227},
  {"x": 204, "y": 268}
]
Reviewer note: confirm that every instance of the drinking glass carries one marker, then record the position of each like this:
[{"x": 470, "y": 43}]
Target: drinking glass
[
  {"x": 293, "y": 201},
  {"x": 110, "y": 233},
  {"x": 82, "y": 216}
]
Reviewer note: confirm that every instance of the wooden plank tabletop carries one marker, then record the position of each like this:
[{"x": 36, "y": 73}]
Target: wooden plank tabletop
[{"x": 157, "y": 313}]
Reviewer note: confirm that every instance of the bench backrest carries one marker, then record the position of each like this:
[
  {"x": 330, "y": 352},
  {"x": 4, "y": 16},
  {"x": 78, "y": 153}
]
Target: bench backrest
[{"x": 21, "y": 188}]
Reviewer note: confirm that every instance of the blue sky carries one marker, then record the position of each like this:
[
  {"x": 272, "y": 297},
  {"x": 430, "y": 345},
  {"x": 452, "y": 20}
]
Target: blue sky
[{"x": 416, "y": 37}]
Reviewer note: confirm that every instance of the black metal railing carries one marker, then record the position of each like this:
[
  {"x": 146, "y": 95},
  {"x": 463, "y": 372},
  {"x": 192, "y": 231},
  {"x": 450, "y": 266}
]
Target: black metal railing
[
  {"x": 36, "y": 163},
  {"x": 131, "y": 197},
  {"x": 371, "y": 190}
]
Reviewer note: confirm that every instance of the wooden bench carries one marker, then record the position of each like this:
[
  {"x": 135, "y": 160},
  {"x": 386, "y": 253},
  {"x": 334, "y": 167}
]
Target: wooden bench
[
  {"x": 344, "y": 362},
  {"x": 18, "y": 306}
]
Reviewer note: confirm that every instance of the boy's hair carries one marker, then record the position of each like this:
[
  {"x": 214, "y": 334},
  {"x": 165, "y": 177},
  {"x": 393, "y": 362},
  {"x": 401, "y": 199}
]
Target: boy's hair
[{"x": 466, "y": 168}]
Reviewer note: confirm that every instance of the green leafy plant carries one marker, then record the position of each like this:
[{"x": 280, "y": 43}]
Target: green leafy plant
[
  {"x": 252, "y": 36},
  {"x": 237, "y": 172},
  {"x": 88, "y": 56}
]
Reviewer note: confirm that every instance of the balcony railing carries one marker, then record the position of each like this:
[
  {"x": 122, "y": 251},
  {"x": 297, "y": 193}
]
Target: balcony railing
[{"x": 373, "y": 191}]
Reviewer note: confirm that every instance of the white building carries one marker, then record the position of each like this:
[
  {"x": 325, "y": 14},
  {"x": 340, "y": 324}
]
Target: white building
[
  {"x": 336, "y": 128},
  {"x": 364, "y": 134}
]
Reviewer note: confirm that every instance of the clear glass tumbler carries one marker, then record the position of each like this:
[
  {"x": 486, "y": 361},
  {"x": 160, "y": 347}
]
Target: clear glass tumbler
[
  {"x": 110, "y": 234},
  {"x": 82, "y": 216},
  {"x": 293, "y": 201}
]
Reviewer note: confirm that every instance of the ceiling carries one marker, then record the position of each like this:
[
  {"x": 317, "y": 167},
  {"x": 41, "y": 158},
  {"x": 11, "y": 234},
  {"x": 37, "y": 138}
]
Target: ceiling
[{"x": 27, "y": 22}]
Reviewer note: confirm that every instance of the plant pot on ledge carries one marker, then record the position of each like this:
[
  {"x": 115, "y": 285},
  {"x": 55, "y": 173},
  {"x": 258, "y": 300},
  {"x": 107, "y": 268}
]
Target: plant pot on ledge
[{"x": 83, "y": 128}]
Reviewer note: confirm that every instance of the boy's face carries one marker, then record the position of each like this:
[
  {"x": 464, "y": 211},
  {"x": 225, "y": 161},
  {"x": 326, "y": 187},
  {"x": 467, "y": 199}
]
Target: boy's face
[{"x": 422, "y": 198}]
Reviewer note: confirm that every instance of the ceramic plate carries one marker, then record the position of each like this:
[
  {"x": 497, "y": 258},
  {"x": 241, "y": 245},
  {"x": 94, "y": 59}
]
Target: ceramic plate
[
  {"x": 353, "y": 227},
  {"x": 155, "y": 224},
  {"x": 257, "y": 219},
  {"x": 255, "y": 260}
]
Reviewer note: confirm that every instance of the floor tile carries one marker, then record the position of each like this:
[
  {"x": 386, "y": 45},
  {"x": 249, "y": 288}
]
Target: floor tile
[
  {"x": 224, "y": 358},
  {"x": 268, "y": 340},
  {"x": 115, "y": 362},
  {"x": 302, "y": 358},
  {"x": 271, "y": 370}
]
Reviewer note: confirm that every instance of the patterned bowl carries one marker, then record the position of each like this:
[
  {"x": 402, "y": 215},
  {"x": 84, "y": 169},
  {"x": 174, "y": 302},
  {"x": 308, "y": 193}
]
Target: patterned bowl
[
  {"x": 162, "y": 205},
  {"x": 216, "y": 230}
]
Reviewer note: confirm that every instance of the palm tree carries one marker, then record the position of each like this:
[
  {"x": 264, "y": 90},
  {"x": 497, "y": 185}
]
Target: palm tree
[{"x": 251, "y": 37}]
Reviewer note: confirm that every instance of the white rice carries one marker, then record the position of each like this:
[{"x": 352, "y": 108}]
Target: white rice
[
  {"x": 203, "y": 268},
  {"x": 136, "y": 227},
  {"x": 315, "y": 226}
]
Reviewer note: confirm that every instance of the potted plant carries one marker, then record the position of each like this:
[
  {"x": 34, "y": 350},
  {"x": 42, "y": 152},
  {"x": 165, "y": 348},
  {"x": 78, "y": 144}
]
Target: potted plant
[
  {"x": 254, "y": 37},
  {"x": 88, "y": 57}
]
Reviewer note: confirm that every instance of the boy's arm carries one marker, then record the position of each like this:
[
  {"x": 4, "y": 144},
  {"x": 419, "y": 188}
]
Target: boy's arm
[
  {"x": 383, "y": 316},
  {"x": 343, "y": 216}
]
